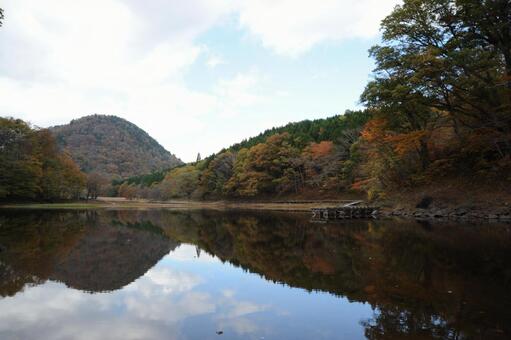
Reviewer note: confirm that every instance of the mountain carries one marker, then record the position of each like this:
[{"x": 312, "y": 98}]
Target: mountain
[{"x": 112, "y": 146}]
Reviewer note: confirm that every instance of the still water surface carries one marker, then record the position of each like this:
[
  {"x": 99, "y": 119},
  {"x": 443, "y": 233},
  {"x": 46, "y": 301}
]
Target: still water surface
[{"x": 158, "y": 274}]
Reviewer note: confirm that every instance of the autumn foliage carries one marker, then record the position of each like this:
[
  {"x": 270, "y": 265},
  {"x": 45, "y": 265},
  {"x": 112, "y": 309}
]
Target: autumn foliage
[
  {"x": 441, "y": 96},
  {"x": 300, "y": 157},
  {"x": 32, "y": 167},
  {"x": 439, "y": 105}
]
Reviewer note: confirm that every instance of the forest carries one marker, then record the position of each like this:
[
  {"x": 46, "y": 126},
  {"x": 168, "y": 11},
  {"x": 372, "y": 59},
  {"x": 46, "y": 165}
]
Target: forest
[
  {"x": 438, "y": 106},
  {"x": 311, "y": 155},
  {"x": 112, "y": 147},
  {"x": 32, "y": 166}
]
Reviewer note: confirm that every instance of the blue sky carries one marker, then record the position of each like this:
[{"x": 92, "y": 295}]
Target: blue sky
[{"x": 196, "y": 75}]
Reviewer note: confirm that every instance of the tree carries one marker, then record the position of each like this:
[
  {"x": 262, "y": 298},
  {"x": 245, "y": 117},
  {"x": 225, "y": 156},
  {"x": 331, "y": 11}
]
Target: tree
[
  {"x": 32, "y": 167},
  {"x": 489, "y": 23},
  {"x": 61, "y": 178},
  {"x": 266, "y": 168},
  {"x": 127, "y": 191},
  {"x": 443, "y": 64},
  {"x": 1, "y": 17},
  {"x": 322, "y": 165},
  {"x": 73, "y": 179},
  {"x": 20, "y": 168},
  {"x": 95, "y": 183},
  {"x": 216, "y": 175},
  {"x": 181, "y": 182}
]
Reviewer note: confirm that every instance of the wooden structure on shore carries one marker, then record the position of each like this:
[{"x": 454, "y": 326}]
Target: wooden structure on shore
[{"x": 353, "y": 210}]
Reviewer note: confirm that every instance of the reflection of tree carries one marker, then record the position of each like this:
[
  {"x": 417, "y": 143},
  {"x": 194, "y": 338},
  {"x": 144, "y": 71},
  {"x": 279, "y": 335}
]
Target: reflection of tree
[
  {"x": 397, "y": 323},
  {"x": 32, "y": 243},
  {"x": 423, "y": 281},
  {"x": 85, "y": 250}
]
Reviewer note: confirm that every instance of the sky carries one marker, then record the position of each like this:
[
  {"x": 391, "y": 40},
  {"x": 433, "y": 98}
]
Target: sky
[{"x": 197, "y": 75}]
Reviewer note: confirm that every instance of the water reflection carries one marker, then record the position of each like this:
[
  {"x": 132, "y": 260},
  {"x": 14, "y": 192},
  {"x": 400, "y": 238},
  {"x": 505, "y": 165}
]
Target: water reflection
[{"x": 383, "y": 280}]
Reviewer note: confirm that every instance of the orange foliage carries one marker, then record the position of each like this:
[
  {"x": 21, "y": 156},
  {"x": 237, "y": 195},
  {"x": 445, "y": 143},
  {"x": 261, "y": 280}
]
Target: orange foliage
[
  {"x": 406, "y": 142},
  {"x": 322, "y": 149},
  {"x": 484, "y": 139},
  {"x": 374, "y": 130},
  {"x": 361, "y": 184}
]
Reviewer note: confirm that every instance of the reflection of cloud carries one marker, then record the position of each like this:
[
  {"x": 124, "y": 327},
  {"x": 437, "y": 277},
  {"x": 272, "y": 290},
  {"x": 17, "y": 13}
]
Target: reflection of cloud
[
  {"x": 166, "y": 295},
  {"x": 187, "y": 252},
  {"x": 244, "y": 308},
  {"x": 239, "y": 325},
  {"x": 16, "y": 308},
  {"x": 172, "y": 281},
  {"x": 228, "y": 293},
  {"x": 152, "y": 307},
  {"x": 170, "y": 309},
  {"x": 235, "y": 314},
  {"x": 52, "y": 311}
]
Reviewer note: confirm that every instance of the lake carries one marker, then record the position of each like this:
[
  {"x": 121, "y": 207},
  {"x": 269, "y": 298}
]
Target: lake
[{"x": 161, "y": 274}]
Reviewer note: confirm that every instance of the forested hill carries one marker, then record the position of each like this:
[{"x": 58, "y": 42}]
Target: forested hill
[
  {"x": 308, "y": 131},
  {"x": 436, "y": 123},
  {"x": 112, "y": 146},
  {"x": 303, "y": 158}
]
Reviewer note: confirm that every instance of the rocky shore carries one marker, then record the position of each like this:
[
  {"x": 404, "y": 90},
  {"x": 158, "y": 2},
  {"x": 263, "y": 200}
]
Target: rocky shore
[{"x": 452, "y": 213}]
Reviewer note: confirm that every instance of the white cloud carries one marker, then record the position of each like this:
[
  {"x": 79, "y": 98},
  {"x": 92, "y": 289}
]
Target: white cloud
[
  {"x": 64, "y": 59},
  {"x": 291, "y": 27},
  {"x": 214, "y": 61},
  {"x": 238, "y": 93}
]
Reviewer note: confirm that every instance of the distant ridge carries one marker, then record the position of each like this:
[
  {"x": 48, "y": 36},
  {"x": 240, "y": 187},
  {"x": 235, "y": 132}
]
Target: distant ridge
[{"x": 112, "y": 146}]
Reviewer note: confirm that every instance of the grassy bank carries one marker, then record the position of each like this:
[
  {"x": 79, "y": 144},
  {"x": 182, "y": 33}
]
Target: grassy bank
[{"x": 108, "y": 203}]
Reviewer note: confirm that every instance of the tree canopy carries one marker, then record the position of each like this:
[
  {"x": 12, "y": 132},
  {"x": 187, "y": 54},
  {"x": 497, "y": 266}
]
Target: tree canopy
[
  {"x": 308, "y": 155},
  {"x": 441, "y": 92},
  {"x": 32, "y": 167}
]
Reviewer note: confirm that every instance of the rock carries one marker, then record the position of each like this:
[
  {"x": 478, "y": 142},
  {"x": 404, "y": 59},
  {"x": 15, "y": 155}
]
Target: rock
[
  {"x": 440, "y": 213},
  {"x": 474, "y": 215},
  {"x": 461, "y": 211},
  {"x": 425, "y": 202}
]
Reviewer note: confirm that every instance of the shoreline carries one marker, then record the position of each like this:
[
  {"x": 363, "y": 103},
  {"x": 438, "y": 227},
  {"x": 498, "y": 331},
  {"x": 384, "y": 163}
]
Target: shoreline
[
  {"x": 291, "y": 206},
  {"x": 459, "y": 213}
]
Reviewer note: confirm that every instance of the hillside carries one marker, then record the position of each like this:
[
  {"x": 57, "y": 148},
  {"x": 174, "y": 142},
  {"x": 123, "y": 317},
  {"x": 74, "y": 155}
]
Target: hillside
[
  {"x": 313, "y": 159},
  {"x": 307, "y": 131},
  {"x": 338, "y": 128},
  {"x": 112, "y": 146}
]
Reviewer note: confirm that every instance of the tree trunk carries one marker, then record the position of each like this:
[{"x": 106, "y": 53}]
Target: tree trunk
[{"x": 424, "y": 154}]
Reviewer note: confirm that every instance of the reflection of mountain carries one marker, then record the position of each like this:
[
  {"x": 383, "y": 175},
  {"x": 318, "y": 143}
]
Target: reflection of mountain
[
  {"x": 110, "y": 257},
  {"x": 86, "y": 251},
  {"x": 424, "y": 281}
]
